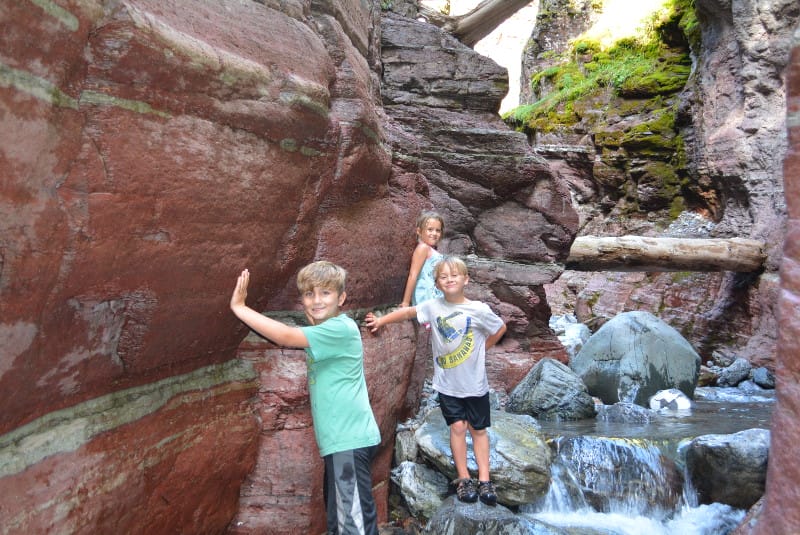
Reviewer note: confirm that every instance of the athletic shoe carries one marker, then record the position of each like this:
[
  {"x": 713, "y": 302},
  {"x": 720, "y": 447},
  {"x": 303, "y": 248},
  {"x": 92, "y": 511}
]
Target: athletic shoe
[
  {"x": 465, "y": 490},
  {"x": 487, "y": 493}
]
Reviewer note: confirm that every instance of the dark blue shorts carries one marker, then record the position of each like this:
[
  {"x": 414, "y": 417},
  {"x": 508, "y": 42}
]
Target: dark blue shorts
[{"x": 474, "y": 410}]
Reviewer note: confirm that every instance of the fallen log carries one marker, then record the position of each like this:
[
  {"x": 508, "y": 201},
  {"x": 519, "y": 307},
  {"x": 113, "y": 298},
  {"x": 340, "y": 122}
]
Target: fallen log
[
  {"x": 482, "y": 20},
  {"x": 639, "y": 253}
]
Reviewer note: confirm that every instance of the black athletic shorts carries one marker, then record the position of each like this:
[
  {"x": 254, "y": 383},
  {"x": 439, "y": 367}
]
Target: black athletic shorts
[{"x": 474, "y": 410}]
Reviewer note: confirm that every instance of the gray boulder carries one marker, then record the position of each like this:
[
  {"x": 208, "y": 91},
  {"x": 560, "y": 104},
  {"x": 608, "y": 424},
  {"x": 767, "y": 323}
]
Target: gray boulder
[
  {"x": 457, "y": 518},
  {"x": 738, "y": 371},
  {"x": 551, "y": 391},
  {"x": 763, "y": 378},
  {"x": 729, "y": 469},
  {"x": 519, "y": 457},
  {"x": 422, "y": 488},
  {"x": 633, "y": 356}
]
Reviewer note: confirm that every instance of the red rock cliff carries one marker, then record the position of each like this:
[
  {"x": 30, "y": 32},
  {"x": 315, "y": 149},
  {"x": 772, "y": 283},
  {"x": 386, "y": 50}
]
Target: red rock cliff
[{"x": 152, "y": 149}]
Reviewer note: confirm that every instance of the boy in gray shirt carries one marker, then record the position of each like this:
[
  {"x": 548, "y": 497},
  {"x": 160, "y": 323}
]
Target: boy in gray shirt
[{"x": 461, "y": 332}]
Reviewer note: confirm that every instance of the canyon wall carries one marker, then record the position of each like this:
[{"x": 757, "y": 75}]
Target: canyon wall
[
  {"x": 781, "y": 514},
  {"x": 149, "y": 152}
]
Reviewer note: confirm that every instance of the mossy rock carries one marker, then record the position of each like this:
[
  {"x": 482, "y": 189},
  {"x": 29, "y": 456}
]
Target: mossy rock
[
  {"x": 609, "y": 175},
  {"x": 653, "y": 138},
  {"x": 658, "y": 184},
  {"x": 663, "y": 82},
  {"x": 608, "y": 139}
]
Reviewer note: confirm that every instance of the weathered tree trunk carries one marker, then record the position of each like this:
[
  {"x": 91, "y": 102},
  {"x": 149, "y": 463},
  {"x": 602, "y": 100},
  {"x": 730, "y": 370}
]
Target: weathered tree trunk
[
  {"x": 639, "y": 253},
  {"x": 478, "y": 23}
]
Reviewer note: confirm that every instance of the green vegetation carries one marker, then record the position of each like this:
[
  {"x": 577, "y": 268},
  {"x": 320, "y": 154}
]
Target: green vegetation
[{"x": 654, "y": 63}]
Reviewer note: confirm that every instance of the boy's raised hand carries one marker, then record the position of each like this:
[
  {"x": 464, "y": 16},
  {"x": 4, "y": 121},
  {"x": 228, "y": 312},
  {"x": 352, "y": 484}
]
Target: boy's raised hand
[{"x": 240, "y": 291}]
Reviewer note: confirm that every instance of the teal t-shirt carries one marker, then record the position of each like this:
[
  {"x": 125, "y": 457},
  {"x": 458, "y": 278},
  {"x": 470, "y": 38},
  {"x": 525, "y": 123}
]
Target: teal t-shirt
[{"x": 343, "y": 418}]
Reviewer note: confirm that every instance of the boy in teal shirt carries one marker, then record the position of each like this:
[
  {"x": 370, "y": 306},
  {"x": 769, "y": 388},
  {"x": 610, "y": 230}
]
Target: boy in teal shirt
[{"x": 344, "y": 426}]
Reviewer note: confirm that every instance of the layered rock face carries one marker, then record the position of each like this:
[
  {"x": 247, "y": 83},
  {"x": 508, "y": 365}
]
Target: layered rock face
[
  {"x": 781, "y": 514},
  {"x": 501, "y": 204},
  {"x": 152, "y": 150}
]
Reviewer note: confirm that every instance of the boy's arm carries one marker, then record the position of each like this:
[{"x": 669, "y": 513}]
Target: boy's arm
[
  {"x": 276, "y": 331},
  {"x": 376, "y": 322},
  {"x": 493, "y": 339}
]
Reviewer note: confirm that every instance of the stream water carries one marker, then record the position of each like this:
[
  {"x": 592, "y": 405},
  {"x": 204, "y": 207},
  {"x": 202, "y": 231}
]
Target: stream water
[{"x": 617, "y": 454}]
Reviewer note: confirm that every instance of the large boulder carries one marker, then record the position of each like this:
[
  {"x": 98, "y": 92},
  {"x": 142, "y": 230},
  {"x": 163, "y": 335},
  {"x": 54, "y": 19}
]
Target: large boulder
[
  {"x": 423, "y": 489},
  {"x": 519, "y": 457},
  {"x": 633, "y": 356},
  {"x": 551, "y": 391},
  {"x": 730, "y": 469},
  {"x": 455, "y": 518}
]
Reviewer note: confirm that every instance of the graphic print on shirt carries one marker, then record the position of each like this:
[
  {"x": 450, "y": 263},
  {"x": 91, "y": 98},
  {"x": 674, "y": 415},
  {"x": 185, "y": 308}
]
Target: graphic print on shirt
[{"x": 448, "y": 327}]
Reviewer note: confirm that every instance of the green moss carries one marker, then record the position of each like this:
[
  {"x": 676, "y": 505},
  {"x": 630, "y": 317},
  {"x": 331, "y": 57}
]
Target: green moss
[
  {"x": 656, "y": 137},
  {"x": 593, "y": 299},
  {"x": 664, "y": 81},
  {"x": 678, "y": 276},
  {"x": 677, "y": 207},
  {"x": 657, "y": 63}
]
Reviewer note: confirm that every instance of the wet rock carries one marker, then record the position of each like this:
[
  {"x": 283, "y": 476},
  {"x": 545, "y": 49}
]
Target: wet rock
[
  {"x": 519, "y": 457},
  {"x": 422, "y": 488},
  {"x": 735, "y": 373},
  {"x": 633, "y": 356},
  {"x": 625, "y": 413},
  {"x": 551, "y": 391},
  {"x": 615, "y": 472},
  {"x": 729, "y": 469},
  {"x": 671, "y": 399},
  {"x": 457, "y": 518}
]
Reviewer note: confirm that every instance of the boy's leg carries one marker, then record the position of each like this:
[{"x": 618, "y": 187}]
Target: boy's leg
[
  {"x": 480, "y": 443},
  {"x": 479, "y": 420},
  {"x": 349, "y": 503},
  {"x": 458, "y": 445},
  {"x": 478, "y": 413},
  {"x": 455, "y": 415}
]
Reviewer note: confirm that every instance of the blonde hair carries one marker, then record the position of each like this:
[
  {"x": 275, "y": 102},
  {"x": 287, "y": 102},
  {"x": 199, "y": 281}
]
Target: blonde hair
[
  {"x": 429, "y": 214},
  {"x": 321, "y": 274},
  {"x": 453, "y": 262}
]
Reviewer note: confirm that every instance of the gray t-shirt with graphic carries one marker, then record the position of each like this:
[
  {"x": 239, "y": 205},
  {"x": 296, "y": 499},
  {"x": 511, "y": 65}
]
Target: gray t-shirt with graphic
[{"x": 458, "y": 340}]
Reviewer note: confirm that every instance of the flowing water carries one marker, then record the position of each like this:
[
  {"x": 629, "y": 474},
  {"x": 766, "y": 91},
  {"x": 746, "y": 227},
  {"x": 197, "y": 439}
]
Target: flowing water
[{"x": 627, "y": 470}]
